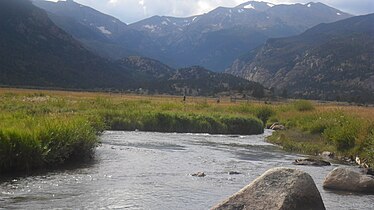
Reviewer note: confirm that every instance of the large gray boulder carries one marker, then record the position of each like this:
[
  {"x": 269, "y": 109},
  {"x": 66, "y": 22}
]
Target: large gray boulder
[
  {"x": 278, "y": 188},
  {"x": 348, "y": 180}
]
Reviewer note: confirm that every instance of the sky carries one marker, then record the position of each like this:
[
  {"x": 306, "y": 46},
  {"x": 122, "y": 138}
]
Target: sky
[{"x": 130, "y": 11}]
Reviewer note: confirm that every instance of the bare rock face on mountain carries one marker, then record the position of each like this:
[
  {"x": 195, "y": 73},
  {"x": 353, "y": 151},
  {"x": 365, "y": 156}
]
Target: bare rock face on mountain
[
  {"x": 330, "y": 61},
  {"x": 277, "y": 189}
]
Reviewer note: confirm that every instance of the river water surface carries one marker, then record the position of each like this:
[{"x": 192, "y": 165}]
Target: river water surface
[{"x": 139, "y": 170}]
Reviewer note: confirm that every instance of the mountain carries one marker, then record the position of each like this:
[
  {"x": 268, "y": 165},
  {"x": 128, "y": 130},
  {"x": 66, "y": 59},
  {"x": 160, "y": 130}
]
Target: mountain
[
  {"x": 197, "y": 81},
  {"x": 98, "y": 32},
  {"x": 215, "y": 39},
  {"x": 35, "y": 52},
  {"x": 212, "y": 40},
  {"x": 330, "y": 61}
]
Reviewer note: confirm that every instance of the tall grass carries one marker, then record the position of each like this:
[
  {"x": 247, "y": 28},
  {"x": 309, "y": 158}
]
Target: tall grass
[
  {"x": 50, "y": 128},
  {"x": 48, "y": 142},
  {"x": 303, "y": 105},
  {"x": 335, "y": 130},
  {"x": 44, "y": 130},
  {"x": 182, "y": 122}
]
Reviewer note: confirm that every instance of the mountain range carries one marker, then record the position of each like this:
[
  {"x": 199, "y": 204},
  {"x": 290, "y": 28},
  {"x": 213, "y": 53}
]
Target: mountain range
[
  {"x": 332, "y": 61},
  {"x": 35, "y": 52},
  {"x": 320, "y": 52},
  {"x": 212, "y": 40}
]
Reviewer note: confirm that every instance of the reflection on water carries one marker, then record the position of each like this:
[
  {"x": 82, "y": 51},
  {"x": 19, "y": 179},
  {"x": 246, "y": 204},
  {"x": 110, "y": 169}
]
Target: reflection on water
[{"x": 137, "y": 170}]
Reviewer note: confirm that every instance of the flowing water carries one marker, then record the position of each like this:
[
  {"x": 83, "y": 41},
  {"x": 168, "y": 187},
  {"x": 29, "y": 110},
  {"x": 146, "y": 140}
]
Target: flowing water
[{"x": 139, "y": 170}]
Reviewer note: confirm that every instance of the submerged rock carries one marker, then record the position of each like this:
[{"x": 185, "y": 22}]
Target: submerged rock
[
  {"x": 277, "y": 189},
  {"x": 311, "y": 162},
  {"x": 199, "y": 174},
  {"x": 369, "y": 171},
  {"x": 234, "y": 173},
  {"x": 346, "y": 179}
]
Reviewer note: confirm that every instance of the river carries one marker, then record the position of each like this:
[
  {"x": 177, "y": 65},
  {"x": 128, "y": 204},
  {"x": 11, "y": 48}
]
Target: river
[{"x": 140, "y": 170}]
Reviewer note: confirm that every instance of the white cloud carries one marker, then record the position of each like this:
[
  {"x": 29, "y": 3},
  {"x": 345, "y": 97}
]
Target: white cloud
[{"x": 133, "y": 10}]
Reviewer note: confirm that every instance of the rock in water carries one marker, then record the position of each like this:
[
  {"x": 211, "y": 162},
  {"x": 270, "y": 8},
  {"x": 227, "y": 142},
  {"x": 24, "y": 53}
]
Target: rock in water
[
  {"x": 199, "y": 174},
  {"x": 347, "y": 180},
  {"x": 369, "y": 171},
  {"x": 277, "y": 189},
  {"x": 234, "y": 173},
  {"x": 311, "y": 162}
]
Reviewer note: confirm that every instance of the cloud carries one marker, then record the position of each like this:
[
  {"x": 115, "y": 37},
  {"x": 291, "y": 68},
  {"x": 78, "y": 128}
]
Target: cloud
[{"x": 134, "y": 10}]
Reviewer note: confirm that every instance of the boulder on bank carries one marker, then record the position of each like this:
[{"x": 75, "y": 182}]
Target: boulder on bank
[
  {"x": 346, "y": 179},
  {"x": 311, "y": 162},
  {"x": 277, "y": 189}
]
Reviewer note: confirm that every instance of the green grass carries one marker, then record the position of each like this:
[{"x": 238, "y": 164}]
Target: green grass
[
  {"x": 41, "y": 130},
  {"x": 49, "y": 128},
  {"x": 44, "y": 142},
  {"x": 303, "y": 105},
  {"x": 296, "y": 141},
  {"x": 337, "y": 130},
  {"x": 182, "y": 122}
]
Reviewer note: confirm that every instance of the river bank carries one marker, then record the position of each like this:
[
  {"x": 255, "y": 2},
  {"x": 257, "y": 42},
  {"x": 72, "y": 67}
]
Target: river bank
[
  {"x": 346, "y": 133},
  {"x": 40, "y": 129}
]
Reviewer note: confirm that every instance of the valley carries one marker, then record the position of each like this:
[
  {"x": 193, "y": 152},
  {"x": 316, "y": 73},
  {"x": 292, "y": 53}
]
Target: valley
[{"x": 154, "y": 114}]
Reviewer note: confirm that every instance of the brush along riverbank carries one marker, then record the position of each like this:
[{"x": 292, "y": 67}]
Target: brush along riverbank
[{"x": 346, "y": 131}]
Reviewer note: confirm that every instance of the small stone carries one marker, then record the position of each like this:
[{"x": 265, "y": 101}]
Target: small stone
[
  {"x": 199, "y": 174},
  {"x": 234, "y": 173},
  {"x": 327, "y": 154}
]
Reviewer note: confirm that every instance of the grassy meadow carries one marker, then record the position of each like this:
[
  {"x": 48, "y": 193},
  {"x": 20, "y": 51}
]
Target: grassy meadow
[
  {"x": 348, "y": 131},
  {"x": 40, "y": 129}
]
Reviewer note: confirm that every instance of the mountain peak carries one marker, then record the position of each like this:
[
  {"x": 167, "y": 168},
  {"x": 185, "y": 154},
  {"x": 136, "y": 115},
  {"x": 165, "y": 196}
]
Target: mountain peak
[
  {"x": 256, "y": 5},
  {"x": 314, "y": 4}
]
